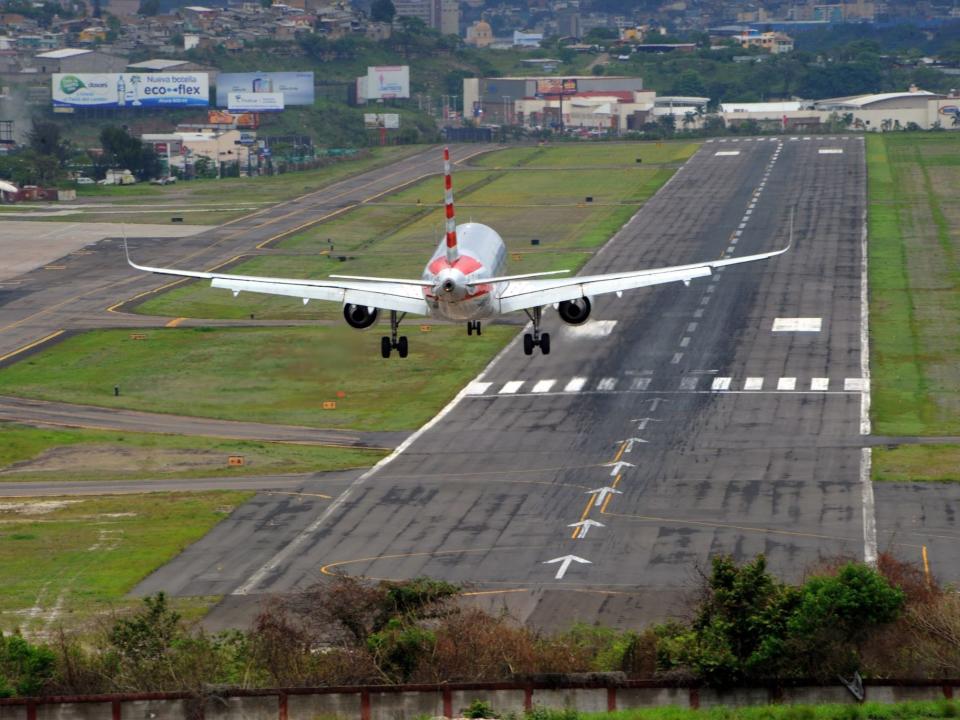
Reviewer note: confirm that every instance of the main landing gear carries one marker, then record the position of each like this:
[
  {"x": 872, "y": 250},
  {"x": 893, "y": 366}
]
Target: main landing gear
[
  {"x": 387, "y": 344},
  {"x": 537, "y": 339},
  {"x": 473, "y": 326}
]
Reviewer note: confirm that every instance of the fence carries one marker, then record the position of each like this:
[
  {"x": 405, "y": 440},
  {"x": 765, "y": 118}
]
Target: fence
[{"x": 405, "y": 702}]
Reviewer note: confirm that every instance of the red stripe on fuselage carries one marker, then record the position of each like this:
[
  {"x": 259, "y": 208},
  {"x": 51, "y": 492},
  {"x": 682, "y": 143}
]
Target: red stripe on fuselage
[{"x": 464, "y": 264}]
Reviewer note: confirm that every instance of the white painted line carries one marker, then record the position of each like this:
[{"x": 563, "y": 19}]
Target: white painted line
[
  {"x": 869, "y": 512},
  {"x": 732, "y": 247},
  {"x": 787, "y": 383},
  {"x": 511, "y": 387},
  {"x": 811, "y": 324},
  {"x": 831, "y": 151},
  {"x": 856, "y": 384},
  {"x": 748, "y": 212},
  {"x": 741, "y": 226},
  {"x": 676, "y": 358},
  {"x": 711, "y": 287},
  {"x": 705, "y": 300},
  {"x": 478, "y": 388},
  {"x": 820, "y": 384},
  {"x": 753, "y": 383},
  {"x": 684, "y": 342},
  {"x": 692, "y": 327},
  {"x": 543, "y": 386},
  {"x": 575, "y": 385},
  {"x": 640, "y": 383},
  {"x": 689, "y": 383},
  {"x": 721, "y": 383},
  {"x": 738, "y": 233},
  {"x": 866, "y": 454},
  {"x": 698, "y": 313},
  {"x": 726, "y": 153},
  {"x": 608, "y": 383}
]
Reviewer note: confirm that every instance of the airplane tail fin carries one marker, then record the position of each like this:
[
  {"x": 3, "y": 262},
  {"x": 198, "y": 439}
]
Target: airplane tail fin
[{"x": 452, "y": 253}]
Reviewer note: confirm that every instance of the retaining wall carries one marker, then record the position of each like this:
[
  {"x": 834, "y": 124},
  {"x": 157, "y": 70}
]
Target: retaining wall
[{"x": 407, "y": 702}]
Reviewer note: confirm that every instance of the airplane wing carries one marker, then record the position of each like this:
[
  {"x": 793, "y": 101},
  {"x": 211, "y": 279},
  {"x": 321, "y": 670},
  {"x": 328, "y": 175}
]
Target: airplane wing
[
  {"x": 400, "y": 295},
  {"x": 537, "y": 293}
]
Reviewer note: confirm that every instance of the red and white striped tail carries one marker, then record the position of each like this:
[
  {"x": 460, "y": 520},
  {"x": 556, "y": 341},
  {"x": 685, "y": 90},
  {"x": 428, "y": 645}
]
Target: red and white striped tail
[{"x": 452, "y": 254}]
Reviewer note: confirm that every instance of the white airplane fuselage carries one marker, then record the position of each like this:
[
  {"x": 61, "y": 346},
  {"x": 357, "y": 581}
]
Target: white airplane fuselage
[{"x": 457, "y": 289}]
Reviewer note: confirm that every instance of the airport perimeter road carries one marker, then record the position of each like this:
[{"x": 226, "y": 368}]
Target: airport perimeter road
[
  {"x": 75, "y": 291},
  {"x": 677, "y": 424}
]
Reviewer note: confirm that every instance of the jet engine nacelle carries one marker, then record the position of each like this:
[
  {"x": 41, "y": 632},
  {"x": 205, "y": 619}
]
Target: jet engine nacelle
[
  {"x": 574, "y": 312},
  {"x": 360, "y": 316}
]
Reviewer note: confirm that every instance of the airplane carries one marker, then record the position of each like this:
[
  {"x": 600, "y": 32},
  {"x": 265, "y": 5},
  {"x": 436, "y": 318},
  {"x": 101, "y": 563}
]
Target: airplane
[{"x": 462, "y": 282}]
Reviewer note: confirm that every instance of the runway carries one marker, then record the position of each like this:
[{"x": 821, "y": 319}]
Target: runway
[{"x": 727, "y": 417}]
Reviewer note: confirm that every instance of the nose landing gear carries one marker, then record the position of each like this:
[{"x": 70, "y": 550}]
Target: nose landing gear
[
  {"x": 388, "y": 344},
  {"x": 473, "y": 326},
  {"x": 537, "y": 339}
]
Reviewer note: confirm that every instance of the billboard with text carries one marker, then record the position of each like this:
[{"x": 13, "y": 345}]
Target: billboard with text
[
  {"x": 296, "y": 87},
  {"x": 134, "y": 90},
  {"x": 245, "y": 102},
  {"x": 388, "y": 81}
]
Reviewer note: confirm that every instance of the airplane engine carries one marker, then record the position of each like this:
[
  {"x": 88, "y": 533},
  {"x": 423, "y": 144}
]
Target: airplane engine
[
  {"x": 574, "y": 312},
  {"x": 360, "y": 316}
]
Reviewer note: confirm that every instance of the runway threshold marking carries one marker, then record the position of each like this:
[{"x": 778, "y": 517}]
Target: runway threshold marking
[{"x": 24, "y": 348}]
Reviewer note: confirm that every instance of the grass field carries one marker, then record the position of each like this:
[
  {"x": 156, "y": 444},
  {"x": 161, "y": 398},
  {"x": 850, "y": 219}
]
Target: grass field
[
  {"x": 66, "y": 560},
  {"x": 45, "y": 454},
  {"x": 281, "y": 375},
  {"x": 210, "y": 202},
  {"x": 917, "y": 463},
  {"x": 579, "y": 155},
  {"x": 395, "y": 236},
  {"x": 914, "y": 216},
  {"x": 866, "y": 711}
]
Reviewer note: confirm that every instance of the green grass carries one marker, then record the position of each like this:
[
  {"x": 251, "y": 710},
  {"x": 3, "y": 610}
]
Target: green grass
[
  {"x": 278, "y": 375},
  {"x": 580, "y": 155},
  {"x": 395, "y": 236},
  {"x": 46, "y": 454},
  {"x": 917, "y": 463},
  {"x": 68, "y": 559},
  {"x": 914, "y": 215},
  {"x": 866, "y": 711}
]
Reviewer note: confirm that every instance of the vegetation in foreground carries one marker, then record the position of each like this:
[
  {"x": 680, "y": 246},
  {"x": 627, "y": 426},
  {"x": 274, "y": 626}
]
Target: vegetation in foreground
[
  {"x": 867, "y": 711},
  {"x": 67, "y": 560},
  {"x": 745, "y": 627},
  {"x": 38, "y": 454},
  {"x": 268, "y": 374}
]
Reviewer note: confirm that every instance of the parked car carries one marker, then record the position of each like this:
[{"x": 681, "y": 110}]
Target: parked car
[
  {"x": 168, "y": 180},
  {"x": 85, "y": 181}
]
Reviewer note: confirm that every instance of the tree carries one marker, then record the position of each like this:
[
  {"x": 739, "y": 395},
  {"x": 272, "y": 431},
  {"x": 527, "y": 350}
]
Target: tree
[
  {"x": 149, "y": 8},
  {"x": 122, "y": 150},
  {"x": 24, "y": 668},
  {"x": 382, "y": 11},
  {"x": 45, "y": 139},
  {"x": 689, "y": 83}
]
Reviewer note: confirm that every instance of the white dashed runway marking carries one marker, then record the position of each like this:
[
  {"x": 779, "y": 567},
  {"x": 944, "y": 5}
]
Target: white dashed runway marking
[{"x": 811, "y": 324}]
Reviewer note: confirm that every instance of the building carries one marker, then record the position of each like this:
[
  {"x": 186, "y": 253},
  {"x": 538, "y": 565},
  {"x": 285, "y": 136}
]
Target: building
[
  {"x": 479, "y": 34},
  {"x": 162, "y": 65},
  {"x": 527, "y": 40},
  {"x": 772, "y": 42},
  {"x": 182, "y": 149},
  {"x": 78, "y": 60},
  {"x": 512, "y": 99},
  {"x": 447, "y": 18},
  {"x": 895, "y": 111}
]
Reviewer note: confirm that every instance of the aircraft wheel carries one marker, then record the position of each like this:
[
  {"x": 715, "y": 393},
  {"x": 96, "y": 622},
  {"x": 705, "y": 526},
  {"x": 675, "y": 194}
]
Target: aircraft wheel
[
  {"x": 402, "y": 346},
  {"x": 528, "y": 344},
  {"x": 477, "y": 326},
  {"x": 385, "y": 346},
  {"x": 470, "y": 328},
  {"x": 545, "y": 343}
]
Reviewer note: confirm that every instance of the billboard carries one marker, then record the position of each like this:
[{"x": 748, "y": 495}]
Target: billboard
[
  {"x": 247, "y": 102},
  {"x": 388, "y": 121},
  {"x": 296, "y": 87},
  {"x": 388, "y": 81},
  {"x": 118, "y": 90},
  {"x": 556, "y": 86}
]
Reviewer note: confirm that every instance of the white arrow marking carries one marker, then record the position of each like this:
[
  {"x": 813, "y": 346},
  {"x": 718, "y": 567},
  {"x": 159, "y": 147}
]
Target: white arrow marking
[
  {"x": 601, "y": 494},
  {"x": 565, "y": 563},
  {"x": 630, "y": 442},
  {"x": 655, "y": 403},
  {"x": 585, "y": 526},
  {"x": 617, "y": 466}
]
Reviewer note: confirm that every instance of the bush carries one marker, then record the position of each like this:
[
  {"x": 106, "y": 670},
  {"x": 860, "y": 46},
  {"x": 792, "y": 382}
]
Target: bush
[{"x": 25, "y": 669}]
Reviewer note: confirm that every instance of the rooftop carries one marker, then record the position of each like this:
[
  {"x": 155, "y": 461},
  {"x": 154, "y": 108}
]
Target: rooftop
[{"x": 63, "y": 53}]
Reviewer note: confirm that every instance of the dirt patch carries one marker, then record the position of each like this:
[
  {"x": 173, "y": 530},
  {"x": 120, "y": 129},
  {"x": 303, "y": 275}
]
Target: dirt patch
[
  {"x": 117, "y": 459},
  {"x": 38, "y": 507}
]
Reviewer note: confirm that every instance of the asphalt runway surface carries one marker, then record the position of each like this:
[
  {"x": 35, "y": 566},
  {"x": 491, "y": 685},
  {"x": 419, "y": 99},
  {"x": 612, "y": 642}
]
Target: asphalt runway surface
[{"x": 745, "y": 396}]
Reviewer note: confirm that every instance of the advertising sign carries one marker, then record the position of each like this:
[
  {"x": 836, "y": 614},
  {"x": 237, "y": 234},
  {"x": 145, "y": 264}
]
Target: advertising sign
[
  {"x": 255, "y": 102},
  {"x": 118, "y": 90},
  {"x": 296, "y": 87},
  {"x": 388, "y": 81},
  {"x": 389, "y": 121},
  {"x": 556, "y": 86}
]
